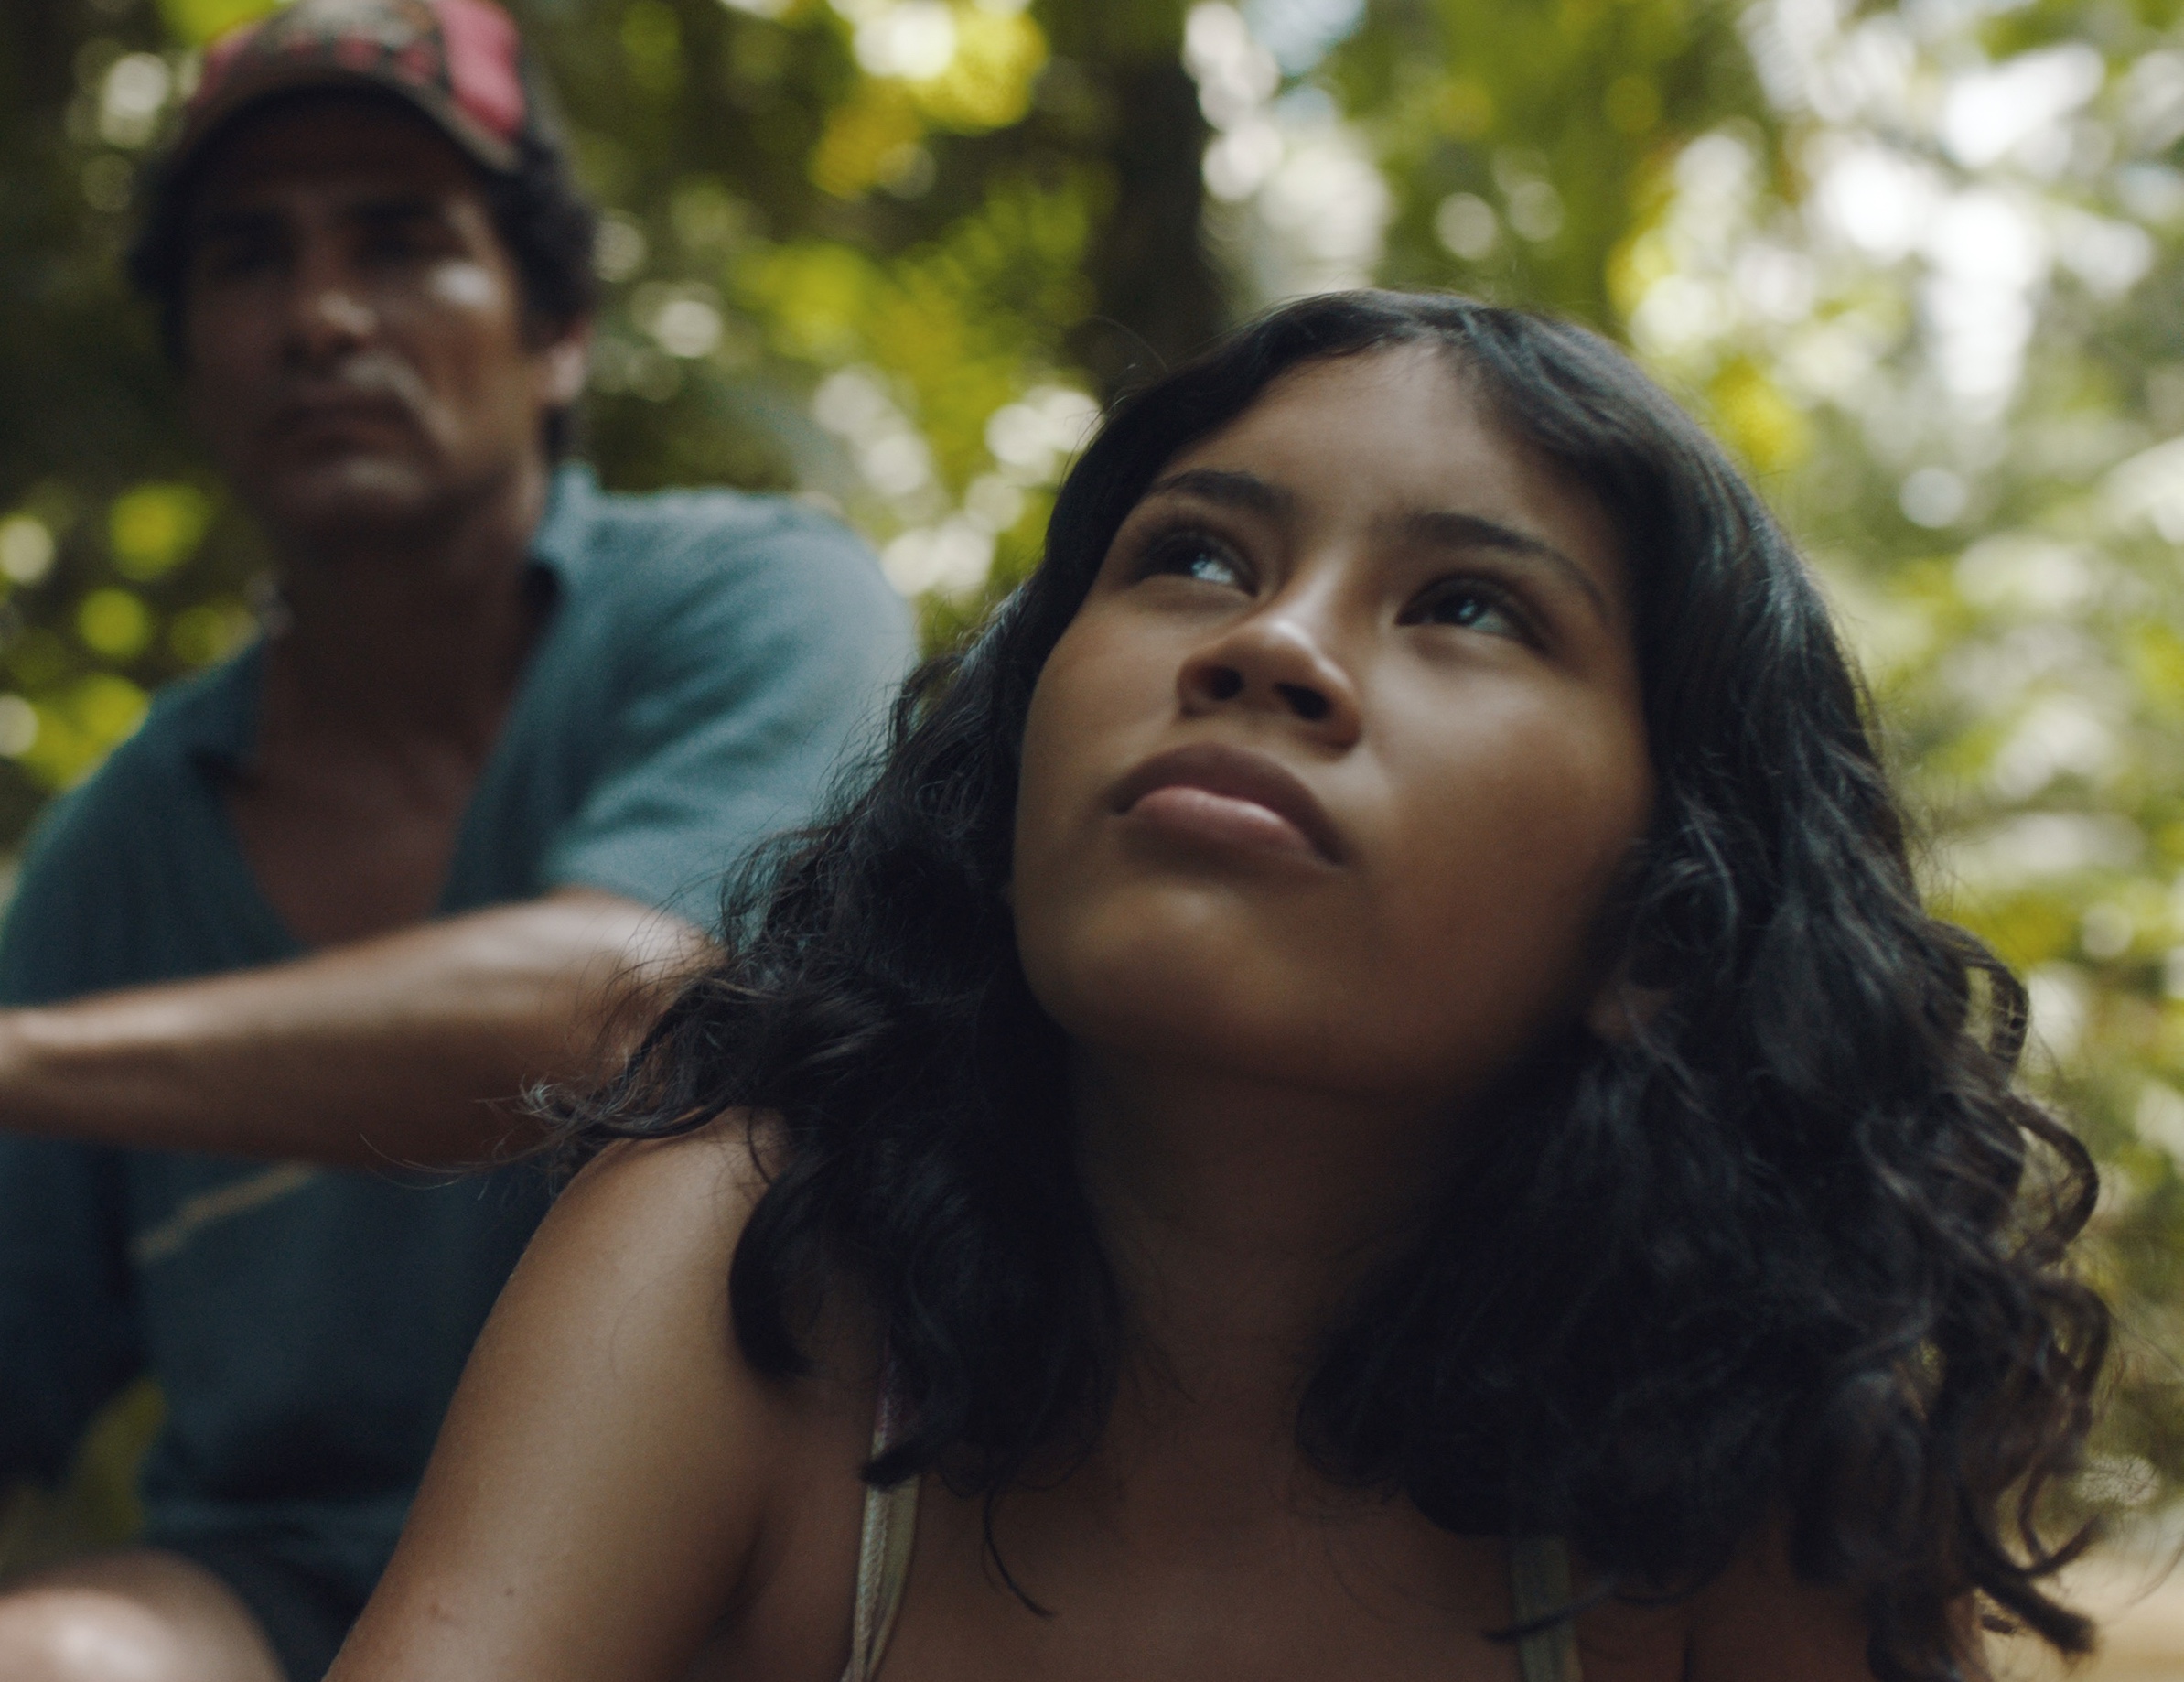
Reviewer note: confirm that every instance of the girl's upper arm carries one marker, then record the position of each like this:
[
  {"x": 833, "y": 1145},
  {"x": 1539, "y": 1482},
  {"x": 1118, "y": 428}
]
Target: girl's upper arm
[{"x": 596, "y": 1496}]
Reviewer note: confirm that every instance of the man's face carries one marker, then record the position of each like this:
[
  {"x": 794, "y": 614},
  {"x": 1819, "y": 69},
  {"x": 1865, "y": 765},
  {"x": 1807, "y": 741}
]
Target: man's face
[{"x": 357, "y": 351}]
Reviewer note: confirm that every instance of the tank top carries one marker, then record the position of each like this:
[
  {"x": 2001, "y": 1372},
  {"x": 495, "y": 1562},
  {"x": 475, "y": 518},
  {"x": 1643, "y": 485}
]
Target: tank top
[{"x": 1539, "y": 1576}]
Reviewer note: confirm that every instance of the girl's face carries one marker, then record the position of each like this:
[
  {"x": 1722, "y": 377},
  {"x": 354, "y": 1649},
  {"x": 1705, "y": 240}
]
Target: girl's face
[{"x": 1327, "y": 783}]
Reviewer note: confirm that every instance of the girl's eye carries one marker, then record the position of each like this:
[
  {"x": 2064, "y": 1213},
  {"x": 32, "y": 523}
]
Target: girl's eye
[
  {"x": 1189, "y": 555},
  {"x": 1469, "y": 606}
]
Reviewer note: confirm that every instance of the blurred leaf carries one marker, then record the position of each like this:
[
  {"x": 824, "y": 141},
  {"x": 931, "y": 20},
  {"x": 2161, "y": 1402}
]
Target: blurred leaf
[
  {"x": 114, "y": 624},
  {"x": 98, "y": 1506},
  {"x": 198, "y": 21},
  {"x": 154, "y": 528},
  {"x": 988, "y": 83},
  {"x": 79, "y": 727}
]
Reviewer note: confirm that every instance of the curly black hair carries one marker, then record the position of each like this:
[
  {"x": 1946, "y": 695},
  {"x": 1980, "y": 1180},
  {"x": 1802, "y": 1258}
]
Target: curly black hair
[
  {"x": 548, "y": 226},
  {"x": 1790, "y": 1259}
]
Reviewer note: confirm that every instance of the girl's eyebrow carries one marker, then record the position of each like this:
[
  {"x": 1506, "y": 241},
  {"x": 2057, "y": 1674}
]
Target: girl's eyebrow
[
  {"x": 1228, "y": 487},
  {"x": 1445, "y": 529}
]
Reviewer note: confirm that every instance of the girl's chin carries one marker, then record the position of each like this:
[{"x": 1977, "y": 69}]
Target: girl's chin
[{"x": 1208, "y": 1038}]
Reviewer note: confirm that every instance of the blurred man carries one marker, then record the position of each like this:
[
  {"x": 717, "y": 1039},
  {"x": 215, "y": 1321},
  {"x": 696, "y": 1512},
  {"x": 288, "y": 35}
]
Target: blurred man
[{"x": 337, "y": 901}]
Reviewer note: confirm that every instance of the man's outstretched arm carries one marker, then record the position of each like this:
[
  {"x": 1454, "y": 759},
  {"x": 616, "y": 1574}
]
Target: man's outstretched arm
[{"x": 406, "y": 1049}]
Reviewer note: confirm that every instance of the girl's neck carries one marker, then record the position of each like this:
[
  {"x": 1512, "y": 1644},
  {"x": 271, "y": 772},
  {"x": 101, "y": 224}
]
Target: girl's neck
[{"x": 1240, "y": 1215}]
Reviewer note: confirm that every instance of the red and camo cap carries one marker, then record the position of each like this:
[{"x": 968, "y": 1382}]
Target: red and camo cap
[{"x": 460, "y": 62}]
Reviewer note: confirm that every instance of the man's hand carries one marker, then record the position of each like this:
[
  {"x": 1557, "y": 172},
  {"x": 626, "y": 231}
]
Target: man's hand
[{"x": 407, "y": 1049}]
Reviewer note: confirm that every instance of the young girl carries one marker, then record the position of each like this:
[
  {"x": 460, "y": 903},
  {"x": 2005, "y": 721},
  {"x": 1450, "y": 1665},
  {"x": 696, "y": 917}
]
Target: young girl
[{"x": 1368, "y": 1094}]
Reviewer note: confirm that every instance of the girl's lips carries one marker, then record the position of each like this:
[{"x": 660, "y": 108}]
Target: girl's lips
[
  {"x": 1230, "y": 795},
  {"x": 1223, "y": 818}
]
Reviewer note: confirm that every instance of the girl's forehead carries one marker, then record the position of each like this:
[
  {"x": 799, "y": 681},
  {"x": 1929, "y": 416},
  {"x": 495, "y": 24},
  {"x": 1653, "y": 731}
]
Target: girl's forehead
[
  {"x": 1424, "y": 371},
  {"x": 1407, "y": 421}
]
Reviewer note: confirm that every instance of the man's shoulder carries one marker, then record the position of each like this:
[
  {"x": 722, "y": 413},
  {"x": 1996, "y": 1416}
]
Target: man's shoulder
[
  {"x": 665, "y": 527},
  {"x": 666, "y": 544},
  {"x": 208, "y": 711},
  {"x": 104, "y": 862}
]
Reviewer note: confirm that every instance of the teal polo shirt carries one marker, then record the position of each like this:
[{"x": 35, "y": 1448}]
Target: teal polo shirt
[{"x": 708, "y": 660}]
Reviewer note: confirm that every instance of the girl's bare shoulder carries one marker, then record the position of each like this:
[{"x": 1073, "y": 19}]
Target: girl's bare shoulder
[{"x": 615, "y": 1484}]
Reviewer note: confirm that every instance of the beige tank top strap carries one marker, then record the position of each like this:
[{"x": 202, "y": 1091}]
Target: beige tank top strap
[
  {"x": 1539, "y": 1575},
  {"x": 1539, "y": 1586},
  {"x": 884, "y": 1551}
]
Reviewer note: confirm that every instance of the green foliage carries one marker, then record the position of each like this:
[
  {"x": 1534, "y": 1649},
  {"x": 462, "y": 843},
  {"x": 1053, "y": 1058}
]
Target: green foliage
[
  {"x": 195, "y": 22},
  {"x": 1526, "y": 141},
  {"x": 99, "y": 1501},
  {"x": 153, "y": 529}
]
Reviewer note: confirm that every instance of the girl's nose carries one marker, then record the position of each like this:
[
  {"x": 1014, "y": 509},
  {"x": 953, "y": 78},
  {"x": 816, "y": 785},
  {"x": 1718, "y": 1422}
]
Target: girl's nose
[{"x": 1275, "y": 661}]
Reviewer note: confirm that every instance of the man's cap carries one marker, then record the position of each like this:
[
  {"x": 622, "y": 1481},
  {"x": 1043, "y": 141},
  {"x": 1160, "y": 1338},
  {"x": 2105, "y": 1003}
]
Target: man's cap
[{"x": 460, "y": 62}]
